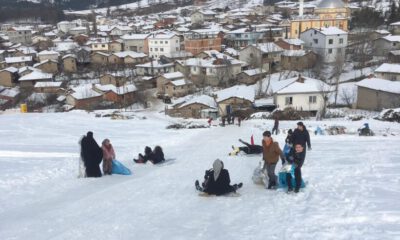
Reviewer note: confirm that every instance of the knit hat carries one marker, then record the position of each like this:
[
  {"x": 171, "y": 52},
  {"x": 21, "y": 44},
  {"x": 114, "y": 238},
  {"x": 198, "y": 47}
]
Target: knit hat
[
  {"x": 300, "y": 124},
  {"x": 218, "y": 165},
  {"x": 267, "y": 134}
]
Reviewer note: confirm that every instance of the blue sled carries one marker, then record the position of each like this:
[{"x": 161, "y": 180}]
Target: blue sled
[
  {"x": 282, "y": 179},
  {"x": 286, "y": 150},
  {"x": 119, "y": 168}
]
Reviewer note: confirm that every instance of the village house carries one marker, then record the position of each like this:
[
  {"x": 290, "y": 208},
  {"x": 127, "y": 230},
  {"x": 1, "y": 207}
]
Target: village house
[
  {"x": 197, "y": 41},
  {"x": 178, "y": 88},
  {"x": 69, "y": 63},
  {"x": 51, "y": 55},
  {"x": 9, "y": 77},
  {"x": 375, "y": 94},
  {"x": 9, "y": 97},
  {"x": 290, "y": 44},
  {"x": 118, "y": 31},
  {"x": 84, "y": 97},
  {"x": 48, "y": 66},
  {"x": 116, "y": 45},
  {"x": 78, "y": 30},
  {"x": 329, "y": 43},
  {"x": 29, "y": 80},
  {"x": 304, "y": 94},
  {"x": 263, "y": 55},
  {"x": 165, "y": 78},
  {"x": 388, "y": 71},
  {"x": 124, "y": 94},
  {"x": 65, "y": 26},
  {"x": 100, "y": 58},
  {"x": 197, "y": 107},
  {"x": 164, "y": 44},
  {"x": 383, "y": 45},
  {"x": 201, "y": 16},
  {"x": 20, "y": 35},
  {"x": 127, "y": 58},
  {"x": 298, "y": 60},
  {"x": 251, "y": 76},
  {"x": 154, "y": 68},
  {"x": 99, "y": 45},
  {"x": 394, "y": 28},
  {"x": 116, "y": 79},
  {"x": 18, "y": 61},
  {"x": 394, "y": 56},
  {"x": 49, "y": 87},
  {"x": 136, "y": 43},
  {"x": 235, "y": 99}
]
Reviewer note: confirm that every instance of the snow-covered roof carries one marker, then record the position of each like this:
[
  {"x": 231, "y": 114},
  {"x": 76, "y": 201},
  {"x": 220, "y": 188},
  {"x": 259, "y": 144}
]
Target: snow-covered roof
[
  {"x": 203, "y": 99},
  {"x": 392, "y": 38},
  {"x": 331, "y": 4},
  {"x": 268, "y": 47},
  {"x": 10, "y": 92},
  {"x": 118, "y": 90},
  {"x": 10, "y": 60},
  {"x": 69, "y": 55},
  {"x": 294, "y": 41},
  {"x": 135, "y": 36},
  {"x": 252, "y": 72},
  {"x": 309, "y": 85},
  {"x": 10, "y": 69},
  {"x": 395, "y": 24},
  {"x": 331, "y": 31},
  {"x": 173, "y": 75},
  {"x": 294, "y": 53},
  {"x": 156, "y": 64},
  {"x": 380, "y": 84},
  {"x": 239, "y": 91},
  {"x": 232, "y": 51},
  {"x": 179, "y": 82},
  {"x": 84, "y": 91},
  {"x": 36, "y": 75},
  {"x": 162, "y": 35},
  {"x": 388, "y": 68},
  {"x": 47, "y": 84},
  {"x": 46, "y": 52},
  {"x": 131, "y": 54}
]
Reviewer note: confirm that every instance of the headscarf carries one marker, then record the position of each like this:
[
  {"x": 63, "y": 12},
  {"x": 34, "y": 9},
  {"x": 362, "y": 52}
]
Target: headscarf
[{"x": 218, "y": 165}]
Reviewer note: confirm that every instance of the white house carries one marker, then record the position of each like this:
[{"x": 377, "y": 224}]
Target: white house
[
  {"x": 388, "y": 71},
  {"x": 51, "y": 55},
  {"x": 78, "y": 30},
  {"x": 121, "y": 30},
  {"x": 383, "y": 45},
  {"x": 304, "y": 94},
  {"x": 329, "y": 43},
  {"x": 201, "y": 16},
  {"x": 136, "y": 42},
  {"x": 65, "y": 26},
  {"x": 167, "y": 44},
  {"x": 19, "y": 35}
]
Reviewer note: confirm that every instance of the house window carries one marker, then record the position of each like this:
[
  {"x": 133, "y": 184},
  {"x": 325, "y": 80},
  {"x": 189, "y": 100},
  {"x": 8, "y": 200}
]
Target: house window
[
  {"x": 102, "y": 45},
  {"x": 341, "y": 40},
  {"x": 166, "y": 42},
  {"x": 330, "y": 50},
  {"x": 156, "y": 49},
  {"x": 330, "y": 41},
  {"x": 312, "y": 99},
  {"x": 288, "y": 100},
  {"x": 177, "y": 49},
  {"x": 339, "y": 50},
  {"x": 151, "y": 49},
  {"x": 155, "y": 42},
  {"x": 161, "y": 49},
  {"x": 161, "y": 42},
  {"x": 315, "y": 41},
  {"x": 394, "y": 44},
  {"x": 176, "y": 41}
]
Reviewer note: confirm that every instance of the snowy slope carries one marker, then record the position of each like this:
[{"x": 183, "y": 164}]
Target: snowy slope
[{"x": 353, "y": 183}]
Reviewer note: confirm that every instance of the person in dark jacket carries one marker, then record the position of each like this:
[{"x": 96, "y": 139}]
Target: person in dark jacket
[
  {"x": 148, "y": 154},
  {"x": 157, "y": 155},
  {"x": 288, "y": 139},
  {"x": 301, "y": 136},
  {"x": 276, "y": 126},
  {"x": 296, "y": 157},
  {"x": 248, "y": 149},
  {"x": 217, "y": 181},
  {"x": 92, "y": 155}
]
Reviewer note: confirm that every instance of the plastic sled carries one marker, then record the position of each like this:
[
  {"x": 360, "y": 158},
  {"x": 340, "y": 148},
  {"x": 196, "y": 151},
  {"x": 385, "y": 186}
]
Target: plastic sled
[
  {"x": 282, "y": 178},
  {"x": 119, "y": 168}
]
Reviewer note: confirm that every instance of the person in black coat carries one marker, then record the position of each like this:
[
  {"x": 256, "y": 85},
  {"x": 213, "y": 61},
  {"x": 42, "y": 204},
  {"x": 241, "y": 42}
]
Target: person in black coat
[
  {"x": 92, "y": 155},
  {"x": 217, "y": 181},
  {"x": 296, "y": 157},
  {"x": 288, "y": 139},
  {"x": 248, "y": 149},
  {"x": 157, "y": 156},
  {"x": 301, "y": 136},
  {"x": 148, "y": 154}
]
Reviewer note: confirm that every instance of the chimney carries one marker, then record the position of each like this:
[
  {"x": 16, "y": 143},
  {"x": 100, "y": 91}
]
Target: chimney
[
  {"x": 300, "y": 79},
  {"x": 301, "y": 8}
]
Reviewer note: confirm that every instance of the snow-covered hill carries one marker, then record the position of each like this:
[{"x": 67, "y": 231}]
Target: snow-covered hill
[{"x": 353, "y": 183}]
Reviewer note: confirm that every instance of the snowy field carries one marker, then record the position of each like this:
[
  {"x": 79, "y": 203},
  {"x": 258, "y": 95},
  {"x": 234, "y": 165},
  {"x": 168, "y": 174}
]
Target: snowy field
[{"x": 353, "y": 187}]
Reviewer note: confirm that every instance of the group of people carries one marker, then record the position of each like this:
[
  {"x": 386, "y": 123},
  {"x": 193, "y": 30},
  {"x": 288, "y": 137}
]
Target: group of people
[
  {"x": 296, "y": 140},
  {"x": 230, "y": 120},
  {"x": 92, "y": 155}
]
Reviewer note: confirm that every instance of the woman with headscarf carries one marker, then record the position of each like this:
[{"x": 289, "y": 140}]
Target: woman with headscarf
[
  {"x": 217, "y": 181},
  {"x": 92, "y": 155}
]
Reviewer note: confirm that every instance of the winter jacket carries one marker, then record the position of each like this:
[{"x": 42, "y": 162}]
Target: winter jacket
[
  {"x": 301, "y": 137},
  {"x": 221, "y": 185},
  {"x": 108, "y": 152},
  {"x": 157, "y": 156},
  {"x": 272, "y": 152},
  {"x": 296, "y": 158},
  {"x": 276, "y": 123},
  {"x": 92, "y": 156}
]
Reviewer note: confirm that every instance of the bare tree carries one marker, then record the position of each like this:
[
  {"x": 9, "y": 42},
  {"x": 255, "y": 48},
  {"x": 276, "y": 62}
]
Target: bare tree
[
  {"x": 325, "y": 93},
  {"x": 337, "y": 71},
  {"x": 348, "y": 96}
]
